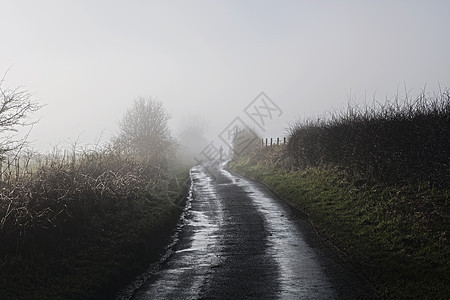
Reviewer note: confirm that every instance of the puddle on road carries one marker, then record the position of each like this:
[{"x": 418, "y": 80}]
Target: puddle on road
[
  {"x": 302, "y": 276},
  {"x": 190, "y": 255}
]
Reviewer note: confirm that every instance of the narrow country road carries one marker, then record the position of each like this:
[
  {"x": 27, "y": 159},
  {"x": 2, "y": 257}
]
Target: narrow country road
[{"x": 236, "y": 240}]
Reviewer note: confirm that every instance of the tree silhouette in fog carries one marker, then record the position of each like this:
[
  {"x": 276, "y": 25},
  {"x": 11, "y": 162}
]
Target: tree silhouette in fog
[
  {"x": 15, "y": 106},
  {"x": 144, "y": 132},
  {"x": 191, "y": 137}
]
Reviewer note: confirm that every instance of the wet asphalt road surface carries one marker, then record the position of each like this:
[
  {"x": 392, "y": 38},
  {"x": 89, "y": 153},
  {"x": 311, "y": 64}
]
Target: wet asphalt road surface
[{"x": 236, "y": 240}]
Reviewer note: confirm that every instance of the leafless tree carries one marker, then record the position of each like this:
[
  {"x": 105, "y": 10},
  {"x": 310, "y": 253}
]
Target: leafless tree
[
  {"x": 15, "y": 106},
  {"x": 245, "y": 140},
  {"x": 144, "y": 132},
  {"x": 191, "y": 137}
]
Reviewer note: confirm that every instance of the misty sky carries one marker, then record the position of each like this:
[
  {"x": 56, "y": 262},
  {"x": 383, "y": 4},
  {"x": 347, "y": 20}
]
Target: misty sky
[{"x": 89, "y": 60}]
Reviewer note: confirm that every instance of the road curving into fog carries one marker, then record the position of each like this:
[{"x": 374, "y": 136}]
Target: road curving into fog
[{"x": 236, "y": 240}]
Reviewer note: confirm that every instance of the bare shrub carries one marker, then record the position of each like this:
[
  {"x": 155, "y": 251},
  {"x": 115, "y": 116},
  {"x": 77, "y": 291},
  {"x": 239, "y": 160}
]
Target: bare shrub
[
  {"x": 245, "y": 141},
  {"x": 394, "y": 141},
  {"x": 15, "y": 106},
  {"x": 65, "y": 192},
  {"x": 144, "y": 132}
]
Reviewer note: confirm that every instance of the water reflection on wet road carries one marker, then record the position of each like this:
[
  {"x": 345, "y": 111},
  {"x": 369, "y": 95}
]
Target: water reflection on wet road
[{"x": 237, "y": 241}]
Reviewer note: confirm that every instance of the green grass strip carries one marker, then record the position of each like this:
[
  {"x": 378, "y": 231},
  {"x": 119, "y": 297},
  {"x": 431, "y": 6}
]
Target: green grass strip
[{"x": 398, "y": 236}]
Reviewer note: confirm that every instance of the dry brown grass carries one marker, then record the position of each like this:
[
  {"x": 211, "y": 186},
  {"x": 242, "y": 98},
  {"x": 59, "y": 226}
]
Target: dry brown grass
[{"x": 60, "y": 192}]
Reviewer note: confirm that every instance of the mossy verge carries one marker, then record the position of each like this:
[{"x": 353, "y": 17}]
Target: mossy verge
[
  {"x": 398, "y": 236},
  {"x": 95, "y": 261}
]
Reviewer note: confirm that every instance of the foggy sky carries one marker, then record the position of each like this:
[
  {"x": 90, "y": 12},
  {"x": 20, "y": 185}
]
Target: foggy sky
[{"x": 89, "y": 60}]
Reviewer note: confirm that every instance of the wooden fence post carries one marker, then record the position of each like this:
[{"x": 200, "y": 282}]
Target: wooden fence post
[{"x": 279, "y": 141}]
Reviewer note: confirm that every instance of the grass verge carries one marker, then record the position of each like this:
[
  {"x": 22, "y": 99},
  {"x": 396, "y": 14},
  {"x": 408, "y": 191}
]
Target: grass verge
[{"x": 397, "y": 235}]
